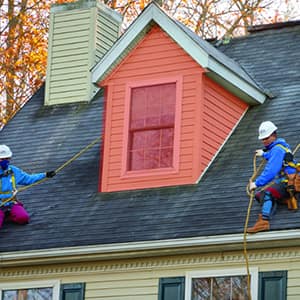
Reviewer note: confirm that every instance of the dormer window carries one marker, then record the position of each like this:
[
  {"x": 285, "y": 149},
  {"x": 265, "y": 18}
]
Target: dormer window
[
  {"x": 151, "y": 127},
  {"x": 165, "y": 119}
]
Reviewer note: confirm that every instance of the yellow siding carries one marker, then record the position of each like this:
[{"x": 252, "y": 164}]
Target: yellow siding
[
  {"x": 69, "y": 31},
  {"x": 78, "y": 39},
  {"x": 137, "y": 279}
]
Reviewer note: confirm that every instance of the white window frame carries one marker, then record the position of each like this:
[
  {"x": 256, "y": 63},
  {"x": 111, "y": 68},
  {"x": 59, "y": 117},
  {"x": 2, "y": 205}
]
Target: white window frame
[
  {"x": 222, "y": 273},
  {"x": 54, "y": 284}
]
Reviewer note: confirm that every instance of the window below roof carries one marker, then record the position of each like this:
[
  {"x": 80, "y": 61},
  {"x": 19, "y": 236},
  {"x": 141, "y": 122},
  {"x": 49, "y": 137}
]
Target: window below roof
[
  {"x": 225, "y": 284},
  {"x": 151, "y": 128},
  {"x": 44, "y": 290}
]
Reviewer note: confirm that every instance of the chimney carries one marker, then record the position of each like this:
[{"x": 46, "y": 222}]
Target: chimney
[{"x": 80, "y": 34}]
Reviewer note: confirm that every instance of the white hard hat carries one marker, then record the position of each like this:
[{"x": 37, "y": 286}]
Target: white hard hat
[
  {"x": 266, "y": 129},
  {"x": 5, "y": 152}
]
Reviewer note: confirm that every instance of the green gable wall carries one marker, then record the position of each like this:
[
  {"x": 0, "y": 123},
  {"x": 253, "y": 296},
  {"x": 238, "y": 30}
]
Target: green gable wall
[{"x": 79, "y": 35}]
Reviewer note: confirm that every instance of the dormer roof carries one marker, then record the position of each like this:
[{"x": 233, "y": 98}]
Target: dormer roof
[{"x": 220, "y": 68}]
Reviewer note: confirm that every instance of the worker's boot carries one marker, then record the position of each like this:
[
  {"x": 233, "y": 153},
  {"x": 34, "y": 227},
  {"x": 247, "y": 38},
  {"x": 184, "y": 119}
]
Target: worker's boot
[
  {"x": 292, "y": 203},
  {"x": 260, "y": 225}
]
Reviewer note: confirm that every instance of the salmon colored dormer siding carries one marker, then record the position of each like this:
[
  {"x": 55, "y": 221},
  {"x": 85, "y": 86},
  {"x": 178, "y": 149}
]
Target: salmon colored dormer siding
[{"x": 204, "y": 116}]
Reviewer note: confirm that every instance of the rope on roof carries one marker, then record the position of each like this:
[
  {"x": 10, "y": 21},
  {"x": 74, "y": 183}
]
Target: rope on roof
[{"x": 57, "y": 170}]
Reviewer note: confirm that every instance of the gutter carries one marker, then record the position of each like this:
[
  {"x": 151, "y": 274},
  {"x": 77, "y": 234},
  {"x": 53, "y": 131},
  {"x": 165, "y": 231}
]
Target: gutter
[{"x": 204, "y": 244}]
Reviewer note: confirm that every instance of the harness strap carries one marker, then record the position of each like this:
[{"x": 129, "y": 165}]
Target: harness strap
[
  {"x": 287, "y": 150},
  {"x": 13, "y": 182}
]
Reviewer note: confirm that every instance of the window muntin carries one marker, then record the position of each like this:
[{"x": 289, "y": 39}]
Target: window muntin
[
  {"x": 228, "y": 284},
  {"x": 151, "y": 127}
]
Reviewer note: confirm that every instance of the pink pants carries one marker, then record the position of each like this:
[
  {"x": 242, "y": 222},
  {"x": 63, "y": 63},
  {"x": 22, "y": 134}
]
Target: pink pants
[{"x": 17, "y": 214}]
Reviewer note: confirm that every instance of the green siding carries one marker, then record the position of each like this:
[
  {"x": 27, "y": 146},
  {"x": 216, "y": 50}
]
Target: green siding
[
  {"x": 107, "y": 33},
  {"x": 78, "y": 39}
]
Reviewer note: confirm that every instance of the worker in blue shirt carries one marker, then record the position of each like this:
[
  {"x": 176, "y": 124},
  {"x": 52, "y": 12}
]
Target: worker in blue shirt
[
  {"x": 10, "y": 177},
  {"x": 279, "y": 165}
]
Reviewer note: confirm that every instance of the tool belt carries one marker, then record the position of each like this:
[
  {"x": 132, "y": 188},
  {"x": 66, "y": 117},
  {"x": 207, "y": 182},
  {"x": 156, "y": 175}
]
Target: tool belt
[
  {"x": 297, "y": 180},
  {"x": 294, "y": 180}
]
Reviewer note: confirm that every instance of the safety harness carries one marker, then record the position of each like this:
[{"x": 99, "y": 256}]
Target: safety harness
[
  {"x": 7, "y": 202},
  {"x": 292, "y": 180},
  {"x": 289, "y": 161}
]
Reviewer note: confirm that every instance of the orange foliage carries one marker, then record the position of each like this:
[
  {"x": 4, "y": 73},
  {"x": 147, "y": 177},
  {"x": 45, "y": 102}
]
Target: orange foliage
[
  {"x": 24, "y": 28},
  {"x": 23, "y": 52}
]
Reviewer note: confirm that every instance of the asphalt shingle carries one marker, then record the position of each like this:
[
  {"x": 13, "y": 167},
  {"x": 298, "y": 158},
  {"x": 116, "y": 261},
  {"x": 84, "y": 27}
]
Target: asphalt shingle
[{"x": 68, "y": 210}]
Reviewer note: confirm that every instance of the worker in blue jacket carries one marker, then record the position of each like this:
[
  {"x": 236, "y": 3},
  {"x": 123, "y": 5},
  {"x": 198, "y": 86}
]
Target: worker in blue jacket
[
  {"x": 10, "y": 177},
  {"x": 279, "y": 164}
]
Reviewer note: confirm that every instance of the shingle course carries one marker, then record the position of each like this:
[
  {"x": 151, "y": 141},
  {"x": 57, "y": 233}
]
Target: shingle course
[{"x": 68, "y": 211}]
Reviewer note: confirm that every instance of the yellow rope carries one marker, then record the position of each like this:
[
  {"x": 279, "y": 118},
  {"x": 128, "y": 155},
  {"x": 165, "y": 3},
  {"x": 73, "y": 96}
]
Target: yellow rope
[
  {"x": 56, "y": 171},
  {"x": 296, "y": 149},
  {"x": 245, "y": 245},
  {"x": 251, "y": 197}
]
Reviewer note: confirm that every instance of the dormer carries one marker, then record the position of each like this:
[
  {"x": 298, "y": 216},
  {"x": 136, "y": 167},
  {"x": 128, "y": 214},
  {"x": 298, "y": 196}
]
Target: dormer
[
  {"x": 80, "y": 34},
  {"x": 172, "y": 100}
]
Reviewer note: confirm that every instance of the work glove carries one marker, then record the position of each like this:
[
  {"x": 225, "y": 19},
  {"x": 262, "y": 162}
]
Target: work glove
[
  {"x": 50, "y": 174},
  {"x": 252, "y": 186},
  {"x": 15, "y": 192},
  {"x": 259, "y": 152}
]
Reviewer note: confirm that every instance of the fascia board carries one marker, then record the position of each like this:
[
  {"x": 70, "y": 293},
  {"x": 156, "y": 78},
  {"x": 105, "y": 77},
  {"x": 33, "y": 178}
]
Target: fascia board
[
  {"x": 152, "y": 14},
  {"x": 263, "y": 240},
  {"x": 216, "y": 67}
]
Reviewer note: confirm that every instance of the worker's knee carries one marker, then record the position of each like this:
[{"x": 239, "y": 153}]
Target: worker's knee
[
  {"x": 18, "y": 214},
  {"x": 264, "y": 196},
  {"x": 267, "y": 196}
]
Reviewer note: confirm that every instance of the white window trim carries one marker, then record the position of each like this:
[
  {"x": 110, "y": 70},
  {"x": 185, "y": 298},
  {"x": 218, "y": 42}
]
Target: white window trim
[
  {"x": 222, "y": 272},
  {"x": 54, "y": 284}
]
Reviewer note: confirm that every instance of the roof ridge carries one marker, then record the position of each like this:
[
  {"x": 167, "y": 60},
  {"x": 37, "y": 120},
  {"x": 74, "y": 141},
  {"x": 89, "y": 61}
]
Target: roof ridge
[{"x": 279, "y": 25}]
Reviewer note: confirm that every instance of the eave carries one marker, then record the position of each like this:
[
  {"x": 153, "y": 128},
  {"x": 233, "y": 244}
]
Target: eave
[
  {"x": 228, "y": 76},
  {"x": 204, "y": 244}
]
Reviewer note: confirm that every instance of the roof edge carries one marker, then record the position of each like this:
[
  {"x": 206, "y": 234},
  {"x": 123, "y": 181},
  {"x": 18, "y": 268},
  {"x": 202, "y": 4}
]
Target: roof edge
[
  {"x": 253, "y": 95},
  {"x": 270, "y": 26},
  {"x": 203, "y": 244}
]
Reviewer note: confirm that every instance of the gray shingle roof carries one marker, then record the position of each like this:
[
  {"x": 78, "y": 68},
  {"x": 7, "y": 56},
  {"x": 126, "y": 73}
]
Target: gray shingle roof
[{"x": 68, "y": 211}]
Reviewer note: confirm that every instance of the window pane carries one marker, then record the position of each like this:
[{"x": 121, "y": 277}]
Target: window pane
[
  {"x": 220, "y": 288},
  {"x": 166, "y": 158},
  {"x": 137, "y": 160},
  {"x": 153, "y": 139},
  {"x": 138, "y": 109},
  {"x": 167, "y": 138},
  {"x": 138, "y": 140},
  {"x": 239, "y": 288},
  {"x": 168, "y": 95},
  {"x": 152, "y": 119},
  {"x": 201, "y": 289},
  {"x": 28, "y": 294},
  {"x": 151, "y": 159}
]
